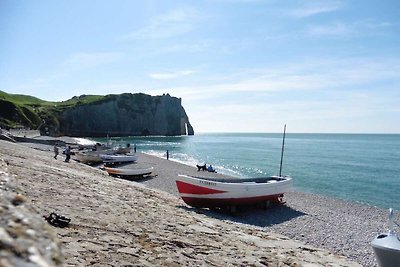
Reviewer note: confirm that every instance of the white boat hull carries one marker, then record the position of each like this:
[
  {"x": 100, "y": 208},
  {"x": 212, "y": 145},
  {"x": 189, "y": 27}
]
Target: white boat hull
[
  {"x": 129, "y": 171},
  {"x": 122, "y": 150},
  {"x": 88, "y": 157},
  {"x": 206, "y": 192},
  {"x": 118, "y": 158}
]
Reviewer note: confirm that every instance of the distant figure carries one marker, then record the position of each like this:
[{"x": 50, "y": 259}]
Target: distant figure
[
  {"x": 128, "y": 145},
  {"x": 55, "y": 151},
  {"x": 134, "y": 148},
  {"x": 167, "y": 155},
  {"x": 210, "y": 168},
  {"x": 67, "y": 153}
]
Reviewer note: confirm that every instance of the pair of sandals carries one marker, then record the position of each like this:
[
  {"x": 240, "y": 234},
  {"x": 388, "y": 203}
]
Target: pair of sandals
[{"x": 57, "y": 220}]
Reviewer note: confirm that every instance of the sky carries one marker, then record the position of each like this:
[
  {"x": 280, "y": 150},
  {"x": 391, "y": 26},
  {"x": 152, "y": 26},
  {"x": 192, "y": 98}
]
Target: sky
[{"x": 238, "y": 65}]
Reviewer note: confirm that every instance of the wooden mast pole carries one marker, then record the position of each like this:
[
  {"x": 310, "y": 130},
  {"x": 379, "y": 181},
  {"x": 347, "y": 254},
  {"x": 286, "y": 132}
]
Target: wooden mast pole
[{"x": 283, "y": 147}]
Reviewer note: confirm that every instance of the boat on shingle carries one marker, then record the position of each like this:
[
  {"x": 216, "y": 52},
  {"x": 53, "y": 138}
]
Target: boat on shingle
[
  {"x": 386, "y": 246},
  {"x": 129, "y": 171},
  {"x": 118, "y": 158},
  {"x": 205, "y": 192},
  {"x": 202, "y": 192}
]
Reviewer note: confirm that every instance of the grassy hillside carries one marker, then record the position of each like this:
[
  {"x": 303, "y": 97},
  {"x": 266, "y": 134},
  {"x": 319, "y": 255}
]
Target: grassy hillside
[{"x": 27, "y": 111}]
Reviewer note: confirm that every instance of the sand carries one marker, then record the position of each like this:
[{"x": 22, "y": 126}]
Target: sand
[{"x": 116, "y": 222}]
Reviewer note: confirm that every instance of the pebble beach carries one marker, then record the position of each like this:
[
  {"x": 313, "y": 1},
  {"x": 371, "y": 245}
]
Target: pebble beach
[{"x": 116, "y": 222}]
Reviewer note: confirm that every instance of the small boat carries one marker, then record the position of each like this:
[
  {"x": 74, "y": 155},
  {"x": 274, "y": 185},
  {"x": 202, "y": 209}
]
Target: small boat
[
  {"x": 122, "y": 150},
  {"x": 118, "y": 158},
  {"x": 129, "y": 171},
  {"x": 88, "y": 157},
  {"x": 386, "y": 246},
  {"x": 204, "y": 192}
]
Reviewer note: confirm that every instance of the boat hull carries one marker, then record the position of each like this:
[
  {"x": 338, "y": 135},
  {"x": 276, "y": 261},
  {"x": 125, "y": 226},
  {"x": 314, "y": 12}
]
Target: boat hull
[
  {"x": 87, "y": 157},
  {"x": 118, "y": 158},
  {"x": 122, "y": 150},
  {"x": 209, "y": 193},
  {"x": 129, "y": 171},
  {"x": 387, "y": 250}
]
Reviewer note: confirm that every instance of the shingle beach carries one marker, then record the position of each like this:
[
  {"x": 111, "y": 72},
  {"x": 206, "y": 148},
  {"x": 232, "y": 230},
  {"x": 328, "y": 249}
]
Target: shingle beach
[{"x": 116, "y": 222}]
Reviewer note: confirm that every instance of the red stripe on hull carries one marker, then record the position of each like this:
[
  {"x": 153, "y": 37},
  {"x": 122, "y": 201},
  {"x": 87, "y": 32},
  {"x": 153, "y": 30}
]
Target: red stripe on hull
[
  {"x": 223, "y": 202},
  {"x": 186, "y": 188}
]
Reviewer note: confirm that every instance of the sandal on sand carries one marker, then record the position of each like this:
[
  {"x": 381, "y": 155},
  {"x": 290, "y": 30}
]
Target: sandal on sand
[{"x": 57, "y": 220}]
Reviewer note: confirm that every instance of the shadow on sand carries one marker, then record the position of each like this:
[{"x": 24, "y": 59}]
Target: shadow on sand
[
  {"x": 275, "y": 214},
  {"x": 135, "y": 178}
]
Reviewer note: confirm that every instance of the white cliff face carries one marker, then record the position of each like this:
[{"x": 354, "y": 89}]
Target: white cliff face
[{"x": 128, "y": 114}]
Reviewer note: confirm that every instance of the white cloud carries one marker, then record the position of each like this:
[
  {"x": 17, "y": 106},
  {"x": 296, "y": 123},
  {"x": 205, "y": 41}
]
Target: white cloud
[
  {"x": 309, "y": 77},
  {"x": 170, "y": 74},
  {"x": 336, "y": 29},
  {"x": 173, "y": 23},
  {"x": 315, "y": 8},
  {"x": 344, "y": 110},
  {"x": 364, "y": 27}
]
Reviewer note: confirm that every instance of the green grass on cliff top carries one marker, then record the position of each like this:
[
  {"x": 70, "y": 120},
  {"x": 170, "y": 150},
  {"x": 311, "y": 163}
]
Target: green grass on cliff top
[{"x": 22, "y": 100}]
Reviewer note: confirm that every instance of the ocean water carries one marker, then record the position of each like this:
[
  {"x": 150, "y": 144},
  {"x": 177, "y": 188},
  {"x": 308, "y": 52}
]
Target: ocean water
[{"x": 358, "y": 167}]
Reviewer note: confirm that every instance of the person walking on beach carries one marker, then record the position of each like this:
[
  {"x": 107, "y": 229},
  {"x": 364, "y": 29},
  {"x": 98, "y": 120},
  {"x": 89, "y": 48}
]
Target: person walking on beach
[
  {"x": 67, "y": 153},
  {"x": 55, "y": 151},
  {"x": 167, "y": 155}
]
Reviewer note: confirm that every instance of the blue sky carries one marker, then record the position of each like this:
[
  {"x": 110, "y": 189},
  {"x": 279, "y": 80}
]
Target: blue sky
[{"x": 238, "y": 65}]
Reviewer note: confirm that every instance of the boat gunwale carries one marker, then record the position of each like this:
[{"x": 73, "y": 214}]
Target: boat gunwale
[
  {"x": 257, "y": 180},
  {"x": 124, "y": 171}
]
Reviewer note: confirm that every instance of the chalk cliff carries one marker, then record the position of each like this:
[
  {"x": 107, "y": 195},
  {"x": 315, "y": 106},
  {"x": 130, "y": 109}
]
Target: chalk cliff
[{"x": 127, "y": 114}]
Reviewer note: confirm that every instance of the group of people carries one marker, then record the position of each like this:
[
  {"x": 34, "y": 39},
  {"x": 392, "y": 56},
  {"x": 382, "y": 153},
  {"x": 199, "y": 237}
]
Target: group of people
[{"x": 67, "y": 152}]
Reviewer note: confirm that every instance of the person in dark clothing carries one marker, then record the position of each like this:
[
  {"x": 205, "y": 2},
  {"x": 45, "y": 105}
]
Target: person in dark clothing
[
  {"x": 55, "y": 151},
  {"x": 67, "y": 153}
]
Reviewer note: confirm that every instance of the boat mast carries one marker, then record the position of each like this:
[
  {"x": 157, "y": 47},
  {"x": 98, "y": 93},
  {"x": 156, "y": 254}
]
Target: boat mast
[{"x": 283, "y": 147}]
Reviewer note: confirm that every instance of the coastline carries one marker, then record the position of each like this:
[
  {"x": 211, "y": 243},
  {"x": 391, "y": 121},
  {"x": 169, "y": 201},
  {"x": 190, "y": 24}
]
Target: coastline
[{"x": 145, "y": 223}]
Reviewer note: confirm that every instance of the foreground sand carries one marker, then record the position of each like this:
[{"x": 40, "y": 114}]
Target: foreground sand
[{"x": 122, "y": 223}]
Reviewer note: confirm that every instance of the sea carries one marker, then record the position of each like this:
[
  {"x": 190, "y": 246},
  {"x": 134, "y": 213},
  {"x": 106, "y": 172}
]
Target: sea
[{"x": 364, "y": 168}]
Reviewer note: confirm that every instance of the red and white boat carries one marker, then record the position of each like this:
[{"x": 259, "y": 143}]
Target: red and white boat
[
  {"x": 229, "y": 193},
  {"x": 204, "y": 192}
]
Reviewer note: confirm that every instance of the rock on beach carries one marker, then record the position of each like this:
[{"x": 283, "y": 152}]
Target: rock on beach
[{"x": 118, "y": 222}]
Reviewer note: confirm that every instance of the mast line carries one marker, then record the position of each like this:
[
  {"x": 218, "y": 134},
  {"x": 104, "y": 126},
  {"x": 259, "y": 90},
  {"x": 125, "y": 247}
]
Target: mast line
[{"x": 283, "y": 147}]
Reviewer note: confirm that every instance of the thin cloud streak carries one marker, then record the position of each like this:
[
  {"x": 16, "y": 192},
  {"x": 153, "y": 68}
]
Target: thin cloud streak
[
  {"x": 327, "y": 75},
  {"x": 170, "y": 74},
  {"x": 358, "y": 28},
  {"x": 175, "y": 22},
  {"x": 315, "y": 9},
  {"x": 319, "y": 115}
]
